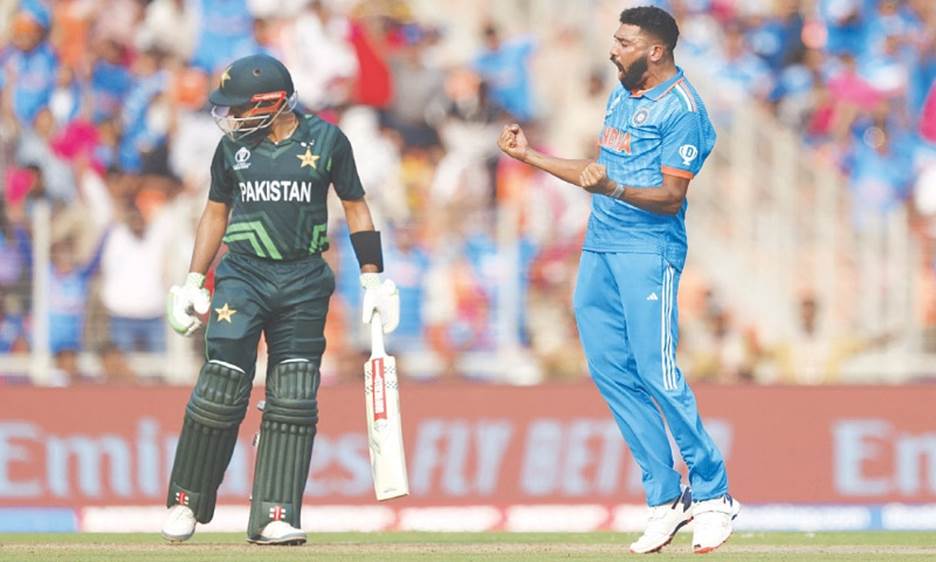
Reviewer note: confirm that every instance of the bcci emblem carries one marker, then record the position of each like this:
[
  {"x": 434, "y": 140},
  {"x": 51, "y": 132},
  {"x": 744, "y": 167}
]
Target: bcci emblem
[
  {"x": 242, "y": 159},
  {"x": 688, "y": 153},
  {"x": 640, "y": 117}
]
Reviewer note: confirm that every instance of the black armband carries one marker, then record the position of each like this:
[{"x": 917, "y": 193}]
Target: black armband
[{"x": 366, "y": 246}]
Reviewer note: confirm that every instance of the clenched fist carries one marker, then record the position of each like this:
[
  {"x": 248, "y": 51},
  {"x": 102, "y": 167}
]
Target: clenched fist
[
  {"x": 594, "y": 179},
  {"x": 513, "y": 142}
]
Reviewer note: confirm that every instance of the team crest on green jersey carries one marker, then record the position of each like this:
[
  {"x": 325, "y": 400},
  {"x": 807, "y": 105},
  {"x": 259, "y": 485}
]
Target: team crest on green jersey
[{"x": 307, "y": 158}]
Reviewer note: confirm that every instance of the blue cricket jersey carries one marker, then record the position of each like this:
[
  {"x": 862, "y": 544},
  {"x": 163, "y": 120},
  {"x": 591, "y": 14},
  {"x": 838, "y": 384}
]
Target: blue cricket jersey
[
  {"x": 664, "y": 130},
  {"x": 36, "y": 71}
]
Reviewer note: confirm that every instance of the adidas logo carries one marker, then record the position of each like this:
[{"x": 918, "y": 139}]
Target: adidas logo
[{"x": 652, "y": 297}]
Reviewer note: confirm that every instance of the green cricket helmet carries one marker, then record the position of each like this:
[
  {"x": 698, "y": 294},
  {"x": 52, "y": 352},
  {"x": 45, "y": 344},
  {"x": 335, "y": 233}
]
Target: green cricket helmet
[{"x": 253, "y": 91}]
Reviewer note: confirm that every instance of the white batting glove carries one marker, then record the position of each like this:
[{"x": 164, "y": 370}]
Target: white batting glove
[
  {"x": 381, "y": 297},
  {"x": 183, "y": 301}
]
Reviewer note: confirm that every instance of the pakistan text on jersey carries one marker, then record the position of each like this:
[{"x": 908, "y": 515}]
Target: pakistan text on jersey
[{"x": 276, "y": 190}]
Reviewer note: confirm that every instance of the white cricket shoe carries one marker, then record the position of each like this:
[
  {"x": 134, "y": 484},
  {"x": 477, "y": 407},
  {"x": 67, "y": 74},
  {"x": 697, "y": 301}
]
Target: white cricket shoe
[
  {"x": 665, "y": 521},
  {"x": 180, "y": 524},
  {"x": 713, "y": 522},
  {"x": 281, "y": 533}
]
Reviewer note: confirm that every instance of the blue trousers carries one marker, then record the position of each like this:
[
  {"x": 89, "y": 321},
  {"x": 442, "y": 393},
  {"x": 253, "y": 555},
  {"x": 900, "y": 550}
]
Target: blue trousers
[
  {"x": 625, "y": 308},
  {"x": 127, "y": 333}
]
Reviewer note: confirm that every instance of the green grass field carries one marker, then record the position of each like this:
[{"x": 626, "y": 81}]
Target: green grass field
[{"x": 446, "y": 547}]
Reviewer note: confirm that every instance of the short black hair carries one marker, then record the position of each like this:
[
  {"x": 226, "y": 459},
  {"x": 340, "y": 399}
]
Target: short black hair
[{"x": 655, "y": 21}]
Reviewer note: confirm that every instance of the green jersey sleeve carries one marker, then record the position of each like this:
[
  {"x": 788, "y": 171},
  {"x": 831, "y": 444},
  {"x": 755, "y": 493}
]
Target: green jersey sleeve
[
  {"x": 343, "y": 170},
  {"x": 222, "y": 188}
]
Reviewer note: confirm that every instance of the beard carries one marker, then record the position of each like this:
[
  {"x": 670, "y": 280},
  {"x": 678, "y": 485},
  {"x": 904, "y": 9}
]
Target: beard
[{"x": 632, "y": 77}]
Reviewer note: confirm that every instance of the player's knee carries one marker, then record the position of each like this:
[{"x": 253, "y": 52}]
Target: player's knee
[
  {"x": 292, "y": 388},
  {"x": 309, "y": 347},
  {"x": 220, "y": 396},
  {"x": 237, "y": 352}
]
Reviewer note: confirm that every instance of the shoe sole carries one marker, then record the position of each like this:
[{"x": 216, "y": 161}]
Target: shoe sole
[
  {"x": 707, "y": 549},
  {"x": 176, "y": 538},
  {"x": 669, "y": 540},
  {"x": 285, "y": 541}
]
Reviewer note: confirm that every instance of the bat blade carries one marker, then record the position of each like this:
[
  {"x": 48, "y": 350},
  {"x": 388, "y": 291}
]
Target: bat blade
[{"x": 384, "y": 428}]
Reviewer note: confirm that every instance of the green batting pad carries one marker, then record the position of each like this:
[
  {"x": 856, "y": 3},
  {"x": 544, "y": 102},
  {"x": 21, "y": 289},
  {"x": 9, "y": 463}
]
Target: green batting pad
[
  {"x": 286, "y": 435},
  {"x": 209, "y": 434}
]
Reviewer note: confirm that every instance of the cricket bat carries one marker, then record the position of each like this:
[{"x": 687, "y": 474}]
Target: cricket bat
[{"x": 384, "y": 424}]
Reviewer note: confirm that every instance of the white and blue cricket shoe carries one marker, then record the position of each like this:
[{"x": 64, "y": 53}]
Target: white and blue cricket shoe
[
  {"x": 664, "y": 522},
  {"x": 713, "y": 522}
]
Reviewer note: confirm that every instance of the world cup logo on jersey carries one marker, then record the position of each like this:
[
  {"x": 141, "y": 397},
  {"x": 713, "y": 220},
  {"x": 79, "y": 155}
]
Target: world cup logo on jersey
[
  {"x": 242, "y": 159},
  {"x": 688, "y": 153}
]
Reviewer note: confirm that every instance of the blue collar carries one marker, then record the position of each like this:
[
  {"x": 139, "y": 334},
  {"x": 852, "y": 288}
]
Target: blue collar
[{"x": 658, "y": 91}]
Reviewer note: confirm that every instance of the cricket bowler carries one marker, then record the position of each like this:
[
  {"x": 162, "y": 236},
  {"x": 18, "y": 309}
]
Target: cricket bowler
[
  {"x": 269, "y": 179},
  {"x": 655, "y": 138}
]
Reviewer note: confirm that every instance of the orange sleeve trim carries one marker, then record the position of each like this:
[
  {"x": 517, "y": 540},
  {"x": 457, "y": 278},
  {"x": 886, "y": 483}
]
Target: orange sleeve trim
[{"x": 677, "y": 172}]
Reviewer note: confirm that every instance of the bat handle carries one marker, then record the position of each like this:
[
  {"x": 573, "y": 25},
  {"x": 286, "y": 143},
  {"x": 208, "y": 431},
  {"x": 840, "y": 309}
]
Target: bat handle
[{"x": 377, "y": 340}]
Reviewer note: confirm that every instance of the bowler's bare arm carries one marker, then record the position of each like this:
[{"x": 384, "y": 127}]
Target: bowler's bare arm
[{"x": 665, "y": 199}]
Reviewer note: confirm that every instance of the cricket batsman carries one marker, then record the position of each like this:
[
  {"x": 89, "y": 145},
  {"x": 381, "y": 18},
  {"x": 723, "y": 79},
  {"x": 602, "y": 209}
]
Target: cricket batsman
[
  {"x": 269, "y": 179},
  {"x": 655, "y": 138}
]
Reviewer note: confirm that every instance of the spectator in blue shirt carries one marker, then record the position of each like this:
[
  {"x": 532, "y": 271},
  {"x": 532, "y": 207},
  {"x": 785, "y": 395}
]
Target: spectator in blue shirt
[
  {"x": 15, "y": 252},
  {"x": 12, "y": 326},
  {"x": 487, "y": 264},
  {"x": 881, "y": 169},
  {"x": 505, "y": 67},
  {"x": 408, "y": 265},
  {"x": 140, "y": 134},
  {"x": 111, "y": 81},
  {"x": 225, "y": 33},
  {"x": 740, "y": 73},
  {"x": 889, "y": 20},
  {"x": 69, "y": 284},
  {"x": 776, "y": 39},
  {"x": 32, "y": 68},
  {"x": 845, "y": 25}
]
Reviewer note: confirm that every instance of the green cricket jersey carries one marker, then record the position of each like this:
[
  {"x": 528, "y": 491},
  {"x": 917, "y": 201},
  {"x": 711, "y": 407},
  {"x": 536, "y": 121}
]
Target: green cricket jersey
[{"x": 277, "y": 191}]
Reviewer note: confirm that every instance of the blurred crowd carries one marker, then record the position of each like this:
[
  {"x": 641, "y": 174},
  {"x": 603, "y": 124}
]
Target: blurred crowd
[
  {"x": 103, "y": 119},
  {"x": 856, "y": 79},
  {"x": 854, "y": 76}
]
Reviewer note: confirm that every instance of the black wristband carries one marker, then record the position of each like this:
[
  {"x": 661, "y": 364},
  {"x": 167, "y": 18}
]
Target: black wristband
[{"x": 366, "y": 246}]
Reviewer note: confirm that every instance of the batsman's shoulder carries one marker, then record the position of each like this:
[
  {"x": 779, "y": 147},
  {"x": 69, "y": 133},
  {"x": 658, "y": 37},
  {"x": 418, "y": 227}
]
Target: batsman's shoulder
[
  {"x": 227, "y": 145},
  {"x": 339, "y": 138},
  {"x": 313, "y": 120},
  {"x": 221, "y": 152},
  {"x": 324, "y": 131}
]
